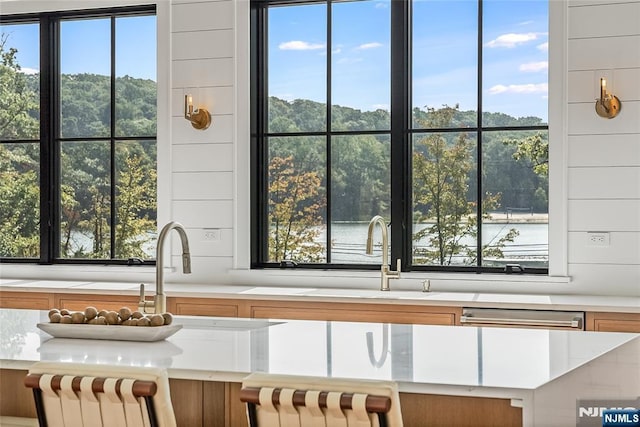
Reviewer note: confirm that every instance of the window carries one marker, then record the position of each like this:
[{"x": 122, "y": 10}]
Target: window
[
  {"x": 430, "y": 114},
  {"x": 78, "y": 136}
]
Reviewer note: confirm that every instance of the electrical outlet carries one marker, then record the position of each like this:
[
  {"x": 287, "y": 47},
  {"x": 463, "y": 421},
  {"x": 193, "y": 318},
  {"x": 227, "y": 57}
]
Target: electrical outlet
[
  {"x": 599, "y": 238},
  {"x": 211, "y": 234}
]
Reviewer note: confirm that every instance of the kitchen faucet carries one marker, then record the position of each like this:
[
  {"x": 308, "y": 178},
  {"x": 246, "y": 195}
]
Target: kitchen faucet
[
  {"x": 384, "y": 269},
  {"x": 159, "y": 303}
]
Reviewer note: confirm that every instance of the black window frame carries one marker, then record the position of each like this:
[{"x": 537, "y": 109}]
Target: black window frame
[
  {"x": 401, "y": 132},
  {"x": 50, "y": 138}
]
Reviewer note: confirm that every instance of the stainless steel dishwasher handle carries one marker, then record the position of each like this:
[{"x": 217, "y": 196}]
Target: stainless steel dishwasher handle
[{"x": 575, "y": 323}]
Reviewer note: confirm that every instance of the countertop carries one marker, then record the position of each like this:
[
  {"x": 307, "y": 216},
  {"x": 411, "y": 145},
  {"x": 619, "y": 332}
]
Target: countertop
[
  {"x": 421, "y": 358},
  {"x": 301, "y": 293}
]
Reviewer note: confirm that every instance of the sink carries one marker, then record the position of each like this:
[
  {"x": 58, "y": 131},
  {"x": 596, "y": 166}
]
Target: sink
[{"x": 225, "y": 323}]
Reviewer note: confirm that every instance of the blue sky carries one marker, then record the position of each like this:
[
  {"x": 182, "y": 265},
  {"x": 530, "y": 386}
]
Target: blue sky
[
  {"x": 85, "y": 46},
  {"x": 444, "y": 58}
]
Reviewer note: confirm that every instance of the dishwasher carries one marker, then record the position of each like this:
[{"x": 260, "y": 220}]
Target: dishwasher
[{"x": 517, "y": 318}]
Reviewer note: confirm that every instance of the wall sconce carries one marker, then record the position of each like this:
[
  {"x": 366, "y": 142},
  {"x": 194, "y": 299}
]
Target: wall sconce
[
  {"x": 607, "y": 105},
  {"x": 200, "y": 119}
]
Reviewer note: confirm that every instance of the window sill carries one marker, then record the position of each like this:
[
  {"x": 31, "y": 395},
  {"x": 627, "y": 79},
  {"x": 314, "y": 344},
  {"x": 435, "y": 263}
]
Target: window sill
[
  {"x": 449, "y": 282},
  {"x": 119, "y": 273}
]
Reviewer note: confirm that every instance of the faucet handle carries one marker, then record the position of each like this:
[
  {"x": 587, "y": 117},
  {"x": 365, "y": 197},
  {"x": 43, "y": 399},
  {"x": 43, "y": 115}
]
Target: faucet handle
[
  {"x": 143, "y": 304},
  {"x": 398, "y": 266}
]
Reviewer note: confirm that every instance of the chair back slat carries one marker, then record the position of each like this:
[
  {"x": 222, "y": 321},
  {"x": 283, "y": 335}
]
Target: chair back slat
[
  {"x": 69, "y": 395},
  {"x": 374, "y": 404},
  {"x": 293, "y": 401}
]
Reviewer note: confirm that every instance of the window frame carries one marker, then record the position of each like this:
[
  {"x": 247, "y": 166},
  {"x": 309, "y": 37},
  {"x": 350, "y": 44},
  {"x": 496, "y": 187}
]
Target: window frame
[
  {"x": 50, "y": 138},
  {"x": 401, "y": 133}
]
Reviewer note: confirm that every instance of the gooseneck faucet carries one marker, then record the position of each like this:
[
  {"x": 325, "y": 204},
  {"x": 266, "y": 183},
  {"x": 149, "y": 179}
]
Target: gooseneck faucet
[
  {"x": 384, "y": 269},
  {"x": 159, "y": 303}
]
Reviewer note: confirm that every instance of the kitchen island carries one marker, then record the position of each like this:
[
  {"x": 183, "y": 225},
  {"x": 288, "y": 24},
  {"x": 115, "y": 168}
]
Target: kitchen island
[{"x": 540, "y": 373}]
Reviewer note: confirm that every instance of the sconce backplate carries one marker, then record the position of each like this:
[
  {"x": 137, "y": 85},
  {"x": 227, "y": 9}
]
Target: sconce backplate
[
  {"x": 609, "y": 108},
  {"x": 201, "y": 119}
]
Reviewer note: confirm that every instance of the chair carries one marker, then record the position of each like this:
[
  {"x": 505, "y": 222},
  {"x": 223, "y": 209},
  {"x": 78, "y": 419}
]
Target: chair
[
  {"x": 70, "y": 394},
  {"x": 300, "y": 401}
]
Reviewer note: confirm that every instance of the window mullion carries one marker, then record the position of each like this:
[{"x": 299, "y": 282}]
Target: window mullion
[
  {"x": 328, "y": 129},
  {"x": 479, "y": 138},
  {"x": 400, "y": 143},
  {"x": 49, "y": 145},
  {"x": 112, "y": 150}
]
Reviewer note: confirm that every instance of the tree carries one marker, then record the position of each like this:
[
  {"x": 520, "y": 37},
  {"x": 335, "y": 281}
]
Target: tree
[
  {"x": 442, "y": 165},
  {"x": 294, "y": 213},
  {"x": 19, "y": 188},
  {"x": 136, "y": 192},
  {"x": 533, "y": 149},
  {"x": 18, "y": 103}
]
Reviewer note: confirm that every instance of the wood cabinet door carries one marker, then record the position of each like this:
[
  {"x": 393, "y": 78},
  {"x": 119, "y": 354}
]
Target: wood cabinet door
[
  {"x": 27, "y": 300},
  {"x": 202, "y": 307},
  {"x": 380, "y": 313},
  {"x": 78, "y": 302},
  {"x": 613, "y": 322}
]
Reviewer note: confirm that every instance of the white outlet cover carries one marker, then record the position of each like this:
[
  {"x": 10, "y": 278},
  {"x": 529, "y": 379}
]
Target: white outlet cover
[{"x": 598, "y": 238}]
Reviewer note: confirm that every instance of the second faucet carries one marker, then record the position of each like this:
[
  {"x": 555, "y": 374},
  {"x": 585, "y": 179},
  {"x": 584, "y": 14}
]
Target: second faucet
[{"x": 385, "y": 271}]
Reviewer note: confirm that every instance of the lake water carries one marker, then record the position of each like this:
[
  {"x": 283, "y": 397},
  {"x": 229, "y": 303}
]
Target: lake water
[{"x": 349, "y": 241}]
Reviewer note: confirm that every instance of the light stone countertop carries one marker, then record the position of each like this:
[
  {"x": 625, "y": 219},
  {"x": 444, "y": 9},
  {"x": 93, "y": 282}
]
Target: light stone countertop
[
  {"x": 212, "y": 348},
  {"x": 323, "y": 294},
  {"x": 542, "y": 371}
]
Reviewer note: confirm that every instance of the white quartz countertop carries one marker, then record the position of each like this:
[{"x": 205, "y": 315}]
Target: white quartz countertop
[
  {"x": 306, "y": 293},
  {"x": 419, "y": 357}
]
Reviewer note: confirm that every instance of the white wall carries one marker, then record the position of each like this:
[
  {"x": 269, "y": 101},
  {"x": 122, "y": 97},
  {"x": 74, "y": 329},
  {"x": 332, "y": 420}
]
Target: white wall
[
  {"x": 602, "y": 157},
  {"x": 203, "y": 175},
  {"x": 203, "y": 63},
  {"x": 603, "y": 162}
]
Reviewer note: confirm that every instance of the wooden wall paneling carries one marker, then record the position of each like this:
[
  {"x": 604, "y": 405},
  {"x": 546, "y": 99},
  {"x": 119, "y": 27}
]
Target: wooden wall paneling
[
  {"x": 187, "y": 399},
  {"x": 214, "y": 404},
  {"x": 29, "y": 300},
  {"x": 16, "y": 400},
  {"x": 445, "y": 411},
  {"x": 236, "y": 410}
]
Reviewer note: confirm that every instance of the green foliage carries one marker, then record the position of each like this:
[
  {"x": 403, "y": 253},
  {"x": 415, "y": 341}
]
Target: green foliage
[
  {"x": 441, "y": 170},
  {"x": 294, "y": 212},
  {"x": 19, "y": 202},
  {"x": 533, "y": 149},
  {"x": 85, "y": 190}
]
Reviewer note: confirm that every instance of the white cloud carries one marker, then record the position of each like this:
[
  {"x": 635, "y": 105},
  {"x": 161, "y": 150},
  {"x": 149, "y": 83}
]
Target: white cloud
[
  {"x": 381, "y": 107},
  {"x": 371, "y": 45},
  {"x": 512, "y": 39},
  {"x": 520, "y": 89},
  {"x": 543, "y": 47},
  {"x": 348, "y": 60},
  {"x": 534, "y": 67},
  {"x": 381, "y": 5},
  {"x": 30, "y": 71},
  {"x": 300, "y": 45}
]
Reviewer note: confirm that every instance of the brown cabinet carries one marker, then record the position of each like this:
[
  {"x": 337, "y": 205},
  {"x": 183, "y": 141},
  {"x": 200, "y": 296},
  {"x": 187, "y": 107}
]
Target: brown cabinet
[
  {"x": 203, "y": 306},
  {"x": 30, "y": 300},
  {"x": 613, "y": 322},
  {"x": 356, "y": 312},
  {"x": 101, "y": 302}
]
